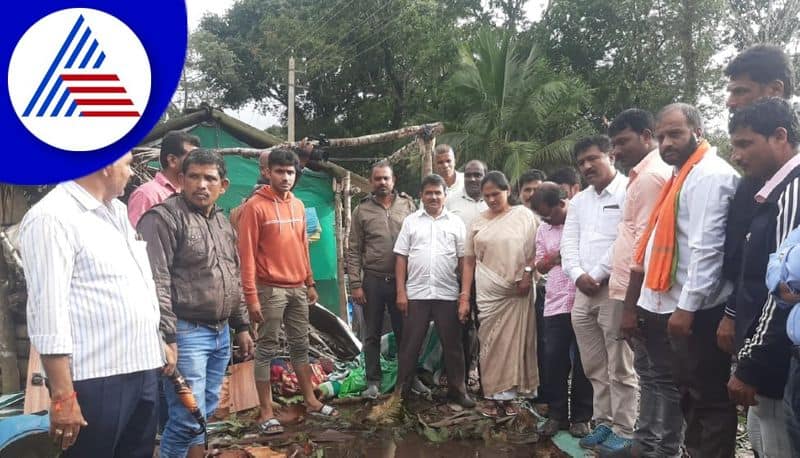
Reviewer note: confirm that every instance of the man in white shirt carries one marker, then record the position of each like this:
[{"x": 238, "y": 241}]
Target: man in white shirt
[
  {"x": 93, "y": 316},
  {"x": 586, "y": 247},
  {"x": 429, "y": 253},
  {"x": 467, "y": 205},
  {"x": 444, "y": 165},
  {"x": 678, "y": 270}
]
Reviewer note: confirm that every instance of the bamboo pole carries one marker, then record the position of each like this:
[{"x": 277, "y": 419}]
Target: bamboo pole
[
  {"x": 410, "y": 131},
  {"x": 337, "y": 199},
  {"x": 348, "y": 211}
]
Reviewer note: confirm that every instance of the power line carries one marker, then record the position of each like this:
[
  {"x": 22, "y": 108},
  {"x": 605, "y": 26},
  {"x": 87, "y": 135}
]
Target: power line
[
  {"x": 350, "y": 60},
  {"x": 317, "y": 26},
  {"x": 359, "y": 42}
]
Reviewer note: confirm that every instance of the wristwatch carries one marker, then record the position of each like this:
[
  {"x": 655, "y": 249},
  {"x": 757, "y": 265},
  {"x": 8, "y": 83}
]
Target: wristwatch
[{"x": 528, "y": 270}]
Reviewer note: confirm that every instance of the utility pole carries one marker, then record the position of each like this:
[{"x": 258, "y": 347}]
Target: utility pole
[{"x": 290, "y": 105}]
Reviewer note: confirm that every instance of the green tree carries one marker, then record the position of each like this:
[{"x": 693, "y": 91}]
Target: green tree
[
  {"x": 510, "y": 108},
  {"x": 636, "y": 53}
]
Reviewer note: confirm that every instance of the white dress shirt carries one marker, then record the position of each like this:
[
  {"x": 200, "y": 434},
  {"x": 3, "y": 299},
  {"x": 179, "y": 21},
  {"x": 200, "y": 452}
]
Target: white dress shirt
[
  {"x": 702, "y": 213},
  {"x": 465, "y": 207},
  {"x": 433, "y": 247},
  {"x": 591, "y": 228},
  {"x": 90, "y": 288}
]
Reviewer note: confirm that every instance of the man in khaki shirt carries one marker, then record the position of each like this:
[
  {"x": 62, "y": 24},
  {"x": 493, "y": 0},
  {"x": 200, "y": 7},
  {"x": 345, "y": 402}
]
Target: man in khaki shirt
[{"x": 370, "y": 263}]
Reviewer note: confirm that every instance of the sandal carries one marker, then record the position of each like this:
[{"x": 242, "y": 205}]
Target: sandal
[
  {"x": 510, "y": 409},
  {"x": 493, "y": 410},
  {"x": 270, "y": 427},
  {"x": 325, "y": 411}
]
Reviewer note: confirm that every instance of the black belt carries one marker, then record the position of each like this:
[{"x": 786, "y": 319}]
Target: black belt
[
  {"x": 216, "y": 326},
  {"x": 384, "y": 277}
]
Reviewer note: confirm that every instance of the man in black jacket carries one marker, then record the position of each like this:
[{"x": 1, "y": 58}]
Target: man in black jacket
[
  {"x": 758, "y": 72},
  {"x": 195, "y": 263},
  {"x": 765, "y": 138}
]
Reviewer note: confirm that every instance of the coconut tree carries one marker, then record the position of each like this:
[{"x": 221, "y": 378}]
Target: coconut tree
[{"x": 512, "y": 108}]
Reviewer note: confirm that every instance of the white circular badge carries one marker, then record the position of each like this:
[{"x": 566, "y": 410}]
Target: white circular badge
[{"x": 79, "y": 79}]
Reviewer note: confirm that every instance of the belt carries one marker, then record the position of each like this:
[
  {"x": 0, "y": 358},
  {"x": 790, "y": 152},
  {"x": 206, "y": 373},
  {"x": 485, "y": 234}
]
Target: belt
[
  {"x": 384, "y": 277},
  {"x": 213, "y": 325}
]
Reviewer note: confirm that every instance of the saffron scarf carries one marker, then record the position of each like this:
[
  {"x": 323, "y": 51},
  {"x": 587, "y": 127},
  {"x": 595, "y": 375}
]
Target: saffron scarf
[{"x": 660, "y": 271}]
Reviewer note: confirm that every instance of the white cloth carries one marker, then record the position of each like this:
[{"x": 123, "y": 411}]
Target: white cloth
[
  {"x": 433, "y": 247},
  {"x": 702, "y": 213},
  {"x": 458, "y": 185},
  {"x": 465, "y": 207},
  {"x": 90, "y": 288},
  {"x": 591, "y": 228}
]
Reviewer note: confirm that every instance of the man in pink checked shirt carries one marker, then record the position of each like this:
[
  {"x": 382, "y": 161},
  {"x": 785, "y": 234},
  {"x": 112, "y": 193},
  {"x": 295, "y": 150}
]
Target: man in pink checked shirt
[
  {"x": 175, "y": 146},
  {"x": 561, "y": 350}
]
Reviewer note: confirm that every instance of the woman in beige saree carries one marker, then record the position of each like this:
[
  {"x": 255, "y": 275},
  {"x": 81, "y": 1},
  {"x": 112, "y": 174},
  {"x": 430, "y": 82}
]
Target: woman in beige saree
[{"x": 499, "y": 255}]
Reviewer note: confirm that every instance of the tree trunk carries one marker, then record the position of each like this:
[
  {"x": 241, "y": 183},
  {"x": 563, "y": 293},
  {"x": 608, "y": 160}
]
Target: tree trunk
[
  {"x": 426, "y": 150},
  {"x": 689, "y": 51},
  {"x": 337, "y": 199}
]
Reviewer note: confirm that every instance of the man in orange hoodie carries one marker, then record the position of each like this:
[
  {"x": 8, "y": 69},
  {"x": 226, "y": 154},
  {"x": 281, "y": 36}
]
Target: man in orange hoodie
[{"x": 277, "y": 282}]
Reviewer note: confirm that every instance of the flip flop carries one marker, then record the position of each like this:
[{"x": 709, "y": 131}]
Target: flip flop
[
  {"x": 510, "y": 409},
  {"x": 270, "y": 427},
  {"x": 325, "y": 411},
  {"x": 494, "y": 410}
]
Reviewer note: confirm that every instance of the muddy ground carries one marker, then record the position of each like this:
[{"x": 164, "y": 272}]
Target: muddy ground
[{"x": 426, "y": 429}]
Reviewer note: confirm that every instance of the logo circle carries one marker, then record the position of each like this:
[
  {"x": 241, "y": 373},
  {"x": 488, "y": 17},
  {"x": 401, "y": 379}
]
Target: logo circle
[{"x": 79, "y": 79}]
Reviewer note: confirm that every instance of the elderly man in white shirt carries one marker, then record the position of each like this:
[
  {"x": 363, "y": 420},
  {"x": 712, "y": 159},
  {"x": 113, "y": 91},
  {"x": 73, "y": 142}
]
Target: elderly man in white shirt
[
  {"x": 586, "y": 247},
  {"x": 444, "y": 165},
  {"x": 93, "y": 316},
  {"x": 429, "y": 253},
  {"x": 679, "y": 274}
]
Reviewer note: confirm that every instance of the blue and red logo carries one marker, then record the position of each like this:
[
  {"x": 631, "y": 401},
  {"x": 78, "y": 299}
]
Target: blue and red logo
[{"x": 87, "y": 84}]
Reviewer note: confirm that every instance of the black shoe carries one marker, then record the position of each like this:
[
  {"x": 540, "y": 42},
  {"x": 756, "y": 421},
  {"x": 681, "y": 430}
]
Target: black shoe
[
  {"x": 462, "y": 399},
  {"x": 551, "y": 427}
]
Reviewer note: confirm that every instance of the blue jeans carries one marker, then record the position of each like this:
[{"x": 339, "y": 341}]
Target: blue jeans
[
  {"x": 203, "y": 355},
  {"x": 791, "y": 401}
]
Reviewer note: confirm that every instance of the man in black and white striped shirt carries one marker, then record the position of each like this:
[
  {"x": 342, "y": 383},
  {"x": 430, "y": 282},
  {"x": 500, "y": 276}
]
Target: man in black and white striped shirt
[{"x": 93, "y": 316}]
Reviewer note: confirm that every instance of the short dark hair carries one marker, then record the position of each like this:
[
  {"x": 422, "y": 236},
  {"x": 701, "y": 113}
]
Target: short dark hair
[
  {"x": 443, "y": 148},
  {"x": 201, "y": 156},
  {"x": 763, "y": 64},
  {"x": 548, "y": 195},
  {"x": 383, "y": 164},
  {"x": 282, "y": 156},
  {"x": 172, "y": 143},
  {"x": 433, "y": 180},
  {"x": 766, "y": 115},
  {"x": 531, "y": 175},
  {"x": 499, "y": 180},
  {"x": 566, "y": 175},
  {"x": 602, "y": 142},
  {"x": 691, "y": 113},
  {"x": 636, "y": 119}
]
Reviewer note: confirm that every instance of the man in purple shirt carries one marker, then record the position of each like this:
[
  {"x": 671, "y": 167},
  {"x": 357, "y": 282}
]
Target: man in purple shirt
[{"x": 175, "y": 146}]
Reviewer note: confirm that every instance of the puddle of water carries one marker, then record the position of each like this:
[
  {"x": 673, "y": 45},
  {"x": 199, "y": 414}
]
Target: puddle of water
[{"x": 412, "y": 445}]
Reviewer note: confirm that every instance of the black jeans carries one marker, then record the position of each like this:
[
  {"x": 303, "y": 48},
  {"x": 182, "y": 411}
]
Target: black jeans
[
  {"x": 701, "y": 371},
  {"x": 445, "y": 317},
  {"x": 122, "y": 413},
  {"x": 381, "y": 293},
  {"x": 561, "y": 358}
]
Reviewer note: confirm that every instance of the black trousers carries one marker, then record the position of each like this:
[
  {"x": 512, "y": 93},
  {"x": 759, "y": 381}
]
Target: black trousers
[
  {"x": 541, "y": 394},
  {"x": 381, "y": 293},
  {"x": 561, "y": 358},
  {"x": 469, "y": 334},
  {"x": 701, "y": 371},
  {"x": 415, "y": 326},
  {"x": 122, "y": 413}
]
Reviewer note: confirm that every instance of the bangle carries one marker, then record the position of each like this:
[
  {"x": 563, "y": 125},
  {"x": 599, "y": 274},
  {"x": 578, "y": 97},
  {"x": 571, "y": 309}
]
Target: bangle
[{"x": 58, "y": 403}]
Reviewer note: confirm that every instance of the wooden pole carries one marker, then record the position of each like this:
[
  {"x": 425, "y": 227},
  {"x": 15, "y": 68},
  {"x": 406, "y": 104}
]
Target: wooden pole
[
  {"x": 290, "y": 104},
  {"x": 348, "y": 211},
  {"x": 9, "y": 371},
  {"x": 426, "y": 146},
  {"x": 337, "y": 193}
]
